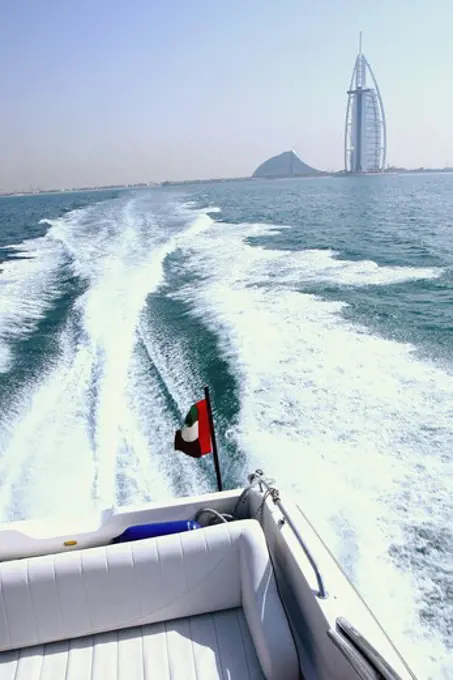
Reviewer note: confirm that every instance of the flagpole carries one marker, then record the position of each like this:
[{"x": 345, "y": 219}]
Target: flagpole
[{"x": 214, "y": 443}]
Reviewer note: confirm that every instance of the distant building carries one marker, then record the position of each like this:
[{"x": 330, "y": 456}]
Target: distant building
[
  {"x": 365, "y": 143},
  {"x": 286, "y": 164}
]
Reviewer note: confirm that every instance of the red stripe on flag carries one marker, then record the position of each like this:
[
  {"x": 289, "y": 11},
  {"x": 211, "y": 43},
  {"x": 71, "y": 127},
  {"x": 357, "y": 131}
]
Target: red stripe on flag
[{"x": 204, "y": 431}]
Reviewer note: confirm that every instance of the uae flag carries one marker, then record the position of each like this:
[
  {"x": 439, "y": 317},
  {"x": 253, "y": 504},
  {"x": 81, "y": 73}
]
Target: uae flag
[{"x": 195, "y": 438}]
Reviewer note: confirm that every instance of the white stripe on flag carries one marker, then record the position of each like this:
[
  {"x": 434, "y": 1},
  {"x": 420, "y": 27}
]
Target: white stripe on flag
[{"x": 190, "y": 433}]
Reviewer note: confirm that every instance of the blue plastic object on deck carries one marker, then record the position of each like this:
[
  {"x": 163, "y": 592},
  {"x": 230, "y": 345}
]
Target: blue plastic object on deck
[{"x": 139, "y": 531}]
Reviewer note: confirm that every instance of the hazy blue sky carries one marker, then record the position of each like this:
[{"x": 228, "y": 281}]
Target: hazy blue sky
[{"x": 97, "y": 91}]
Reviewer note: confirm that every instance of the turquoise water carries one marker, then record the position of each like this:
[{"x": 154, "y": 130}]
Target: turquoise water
[{"x": 319, "y": 311}]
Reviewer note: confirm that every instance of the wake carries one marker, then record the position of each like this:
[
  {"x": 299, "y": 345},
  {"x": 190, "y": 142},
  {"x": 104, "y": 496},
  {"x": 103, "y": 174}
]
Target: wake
[
  {"x": 341, "y": 418},
  {"x": 94, "y": 429}
]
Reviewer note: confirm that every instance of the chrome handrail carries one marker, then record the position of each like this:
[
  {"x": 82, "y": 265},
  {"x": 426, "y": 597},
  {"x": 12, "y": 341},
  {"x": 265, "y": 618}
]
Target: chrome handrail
[
  {"x": 363, "y": 657},
  {"x": 258, "y": 477}
]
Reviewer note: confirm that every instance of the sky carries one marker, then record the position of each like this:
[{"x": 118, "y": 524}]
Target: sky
[{"x": 121, "y": 91}]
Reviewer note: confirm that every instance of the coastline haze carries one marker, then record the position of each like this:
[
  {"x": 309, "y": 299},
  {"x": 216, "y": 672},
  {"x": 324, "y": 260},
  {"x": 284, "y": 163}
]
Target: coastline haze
[{"x": 115, "y": 93}]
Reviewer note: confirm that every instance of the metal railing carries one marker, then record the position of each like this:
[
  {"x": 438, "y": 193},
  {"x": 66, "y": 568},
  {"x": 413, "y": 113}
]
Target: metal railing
[
  {"x": 363, "y": 657},
  {"x": 258, "y": 477}
]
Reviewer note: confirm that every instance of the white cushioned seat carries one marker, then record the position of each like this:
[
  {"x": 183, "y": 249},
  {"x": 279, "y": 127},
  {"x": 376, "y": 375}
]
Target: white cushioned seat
[
  {"x": 205, "y": 647},
  {"x": 83, "y": 593}
]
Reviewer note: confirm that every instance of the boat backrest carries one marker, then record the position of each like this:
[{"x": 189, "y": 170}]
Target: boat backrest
[{"x": 57, "y": 597}]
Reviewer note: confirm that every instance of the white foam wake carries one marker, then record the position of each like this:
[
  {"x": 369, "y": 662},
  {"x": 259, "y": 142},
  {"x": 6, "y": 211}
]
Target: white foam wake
[
  {"x": 28, "y": 287},
  {"x": 95, "y": 413},
  {"x": 323, "y": 266},
  {"x": 340, "y": 417}
]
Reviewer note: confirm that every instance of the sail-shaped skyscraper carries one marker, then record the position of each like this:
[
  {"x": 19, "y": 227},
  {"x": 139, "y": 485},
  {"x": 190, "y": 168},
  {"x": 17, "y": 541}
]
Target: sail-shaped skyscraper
[{"x": 365, "y": 139}]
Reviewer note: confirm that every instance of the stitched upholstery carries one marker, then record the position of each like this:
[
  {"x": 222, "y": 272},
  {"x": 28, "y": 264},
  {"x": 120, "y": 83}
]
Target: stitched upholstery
[
  {"x": 203, "y": 647},
  {"x": 69, "y": 595}
]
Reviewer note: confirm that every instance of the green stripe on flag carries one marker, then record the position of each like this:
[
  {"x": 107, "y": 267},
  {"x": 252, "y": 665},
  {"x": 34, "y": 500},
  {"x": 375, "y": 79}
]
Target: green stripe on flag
[{"x": 192, "y": 416}]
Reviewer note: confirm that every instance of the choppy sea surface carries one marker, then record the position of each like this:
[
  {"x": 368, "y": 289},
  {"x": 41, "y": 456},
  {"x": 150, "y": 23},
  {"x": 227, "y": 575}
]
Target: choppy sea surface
[{"x": 319, "y": 311}]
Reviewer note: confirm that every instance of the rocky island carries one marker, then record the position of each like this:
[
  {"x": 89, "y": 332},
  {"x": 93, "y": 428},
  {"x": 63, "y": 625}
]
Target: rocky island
[{"x": 286, "y": 164}]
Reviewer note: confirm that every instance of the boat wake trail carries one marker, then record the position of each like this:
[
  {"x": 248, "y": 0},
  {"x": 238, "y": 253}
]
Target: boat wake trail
[
  {"x": 355, "y": 425},
  {"x": 96, "y": 426},
  {"x": 29, "y": 284}
]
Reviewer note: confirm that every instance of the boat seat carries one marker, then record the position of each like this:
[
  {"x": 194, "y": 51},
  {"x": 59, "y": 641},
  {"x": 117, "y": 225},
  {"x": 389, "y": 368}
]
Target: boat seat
[
  {"x": 50, "y": 604},
  {"x": 204, "y": 647}
]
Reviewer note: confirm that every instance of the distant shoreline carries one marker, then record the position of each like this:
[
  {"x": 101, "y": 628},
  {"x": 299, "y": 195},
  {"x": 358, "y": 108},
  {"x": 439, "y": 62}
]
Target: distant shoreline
[{"x": 166, "y": 183}]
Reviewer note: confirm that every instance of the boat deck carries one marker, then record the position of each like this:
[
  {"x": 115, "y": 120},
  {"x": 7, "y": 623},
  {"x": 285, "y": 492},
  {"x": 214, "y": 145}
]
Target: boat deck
[{"x": 204, "y": 647}]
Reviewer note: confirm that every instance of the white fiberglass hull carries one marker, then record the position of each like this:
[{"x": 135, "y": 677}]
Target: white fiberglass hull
[{"x": 331, "y": 625}]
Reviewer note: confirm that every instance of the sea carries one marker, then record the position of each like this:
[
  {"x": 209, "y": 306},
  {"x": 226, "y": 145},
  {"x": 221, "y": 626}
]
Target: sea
[{"x": 320, "y": 313}]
